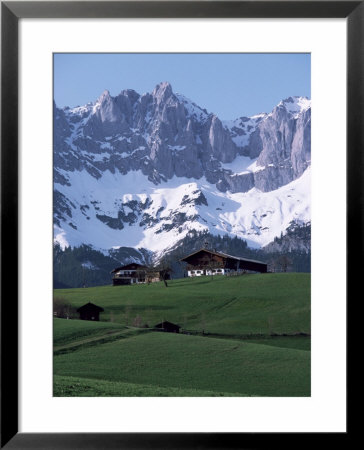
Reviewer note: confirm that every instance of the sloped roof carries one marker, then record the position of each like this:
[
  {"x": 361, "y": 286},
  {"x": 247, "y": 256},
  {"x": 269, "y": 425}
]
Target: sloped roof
[
  {"x": 162, "y": 324},
  {"x": 127, "y": 266},
  {"x": 224, "y": 255},
  {"x": 89, "y": 306}
]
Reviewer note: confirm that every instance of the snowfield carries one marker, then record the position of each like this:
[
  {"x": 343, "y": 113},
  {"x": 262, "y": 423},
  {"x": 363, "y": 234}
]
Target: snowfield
[{"x": 159, "y": 216}]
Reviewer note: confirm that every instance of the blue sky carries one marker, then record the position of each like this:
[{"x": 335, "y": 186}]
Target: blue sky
[{"x": 229, "y": 85}]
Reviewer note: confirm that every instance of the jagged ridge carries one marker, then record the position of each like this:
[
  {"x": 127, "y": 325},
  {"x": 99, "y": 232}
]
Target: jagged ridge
[{"x": 133, "y": 167}]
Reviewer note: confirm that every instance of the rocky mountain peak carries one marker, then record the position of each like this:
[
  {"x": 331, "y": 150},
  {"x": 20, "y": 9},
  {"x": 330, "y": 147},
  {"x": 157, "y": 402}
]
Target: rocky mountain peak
[
  {"x": 166, "y": 134},
  {"x": 295, "y": 105},
  {"x": 105, "y": 96},
  {"x": 162, "y": 91},
  {"x": 163, "y": 137}
]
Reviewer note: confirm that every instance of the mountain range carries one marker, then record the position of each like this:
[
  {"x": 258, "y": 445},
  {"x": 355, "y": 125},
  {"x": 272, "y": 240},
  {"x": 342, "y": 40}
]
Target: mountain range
[{"x": 142, "y": 171}]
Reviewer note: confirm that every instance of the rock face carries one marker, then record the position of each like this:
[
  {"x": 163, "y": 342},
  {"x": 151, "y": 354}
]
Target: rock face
[
  {"x": 281, "y": 142},
  {"x": 162, "y": 135},
  {"x": 286, "y": 146}
]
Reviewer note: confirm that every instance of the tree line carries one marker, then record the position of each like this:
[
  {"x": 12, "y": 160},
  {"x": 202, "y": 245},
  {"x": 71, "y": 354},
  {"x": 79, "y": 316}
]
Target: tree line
[{"x": 84, "y": 266}]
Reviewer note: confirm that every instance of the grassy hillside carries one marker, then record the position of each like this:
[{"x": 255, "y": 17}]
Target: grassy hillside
[
  {"x": 252, "y": 342},
  {"x": 86, "y": 387},
  {"x": 67, "y": 331},
  {"x": 257, "y": 304},
  {"x": 179, "y": 361}
]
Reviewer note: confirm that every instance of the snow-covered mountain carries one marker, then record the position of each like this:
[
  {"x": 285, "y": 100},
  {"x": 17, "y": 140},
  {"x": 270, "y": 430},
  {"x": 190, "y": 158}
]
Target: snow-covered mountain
[{"x": 142, "y": 170}]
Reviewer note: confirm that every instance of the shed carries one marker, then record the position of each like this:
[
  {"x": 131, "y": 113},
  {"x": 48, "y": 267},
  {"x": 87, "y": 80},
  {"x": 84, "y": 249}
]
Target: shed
[
  {"x": 169, "y": 327},
  {"x": 90, "y": 311}
]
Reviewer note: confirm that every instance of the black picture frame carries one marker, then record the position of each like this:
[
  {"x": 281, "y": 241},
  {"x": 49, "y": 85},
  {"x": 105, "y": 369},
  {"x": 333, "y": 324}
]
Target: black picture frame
[{"x": 11, "y": 12}]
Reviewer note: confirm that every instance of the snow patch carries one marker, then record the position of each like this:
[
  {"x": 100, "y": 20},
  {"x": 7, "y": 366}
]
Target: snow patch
[
  {"x": 296, "y": 105},
  {"x": 241, "y": 165}
]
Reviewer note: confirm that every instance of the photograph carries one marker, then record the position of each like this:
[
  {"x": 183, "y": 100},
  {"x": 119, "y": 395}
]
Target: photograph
[
  {"x": 182, "y": 225},
  {"x": 161, "y": 283}
]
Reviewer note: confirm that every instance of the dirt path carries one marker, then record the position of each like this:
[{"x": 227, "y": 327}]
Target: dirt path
[{"x": 101, "y": 339}]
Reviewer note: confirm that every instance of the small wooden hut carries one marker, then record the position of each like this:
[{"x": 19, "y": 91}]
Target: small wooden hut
[
  {"x": 169, "y": 327},
  {"x": 90, "y": 312}
]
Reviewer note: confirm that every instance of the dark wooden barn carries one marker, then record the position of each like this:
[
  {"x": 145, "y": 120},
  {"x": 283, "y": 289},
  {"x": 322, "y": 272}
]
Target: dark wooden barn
[
  {"x": 208, "y": 262},
  {"x": 90, "y": 312},
  {"x": 169, "y": 327}
]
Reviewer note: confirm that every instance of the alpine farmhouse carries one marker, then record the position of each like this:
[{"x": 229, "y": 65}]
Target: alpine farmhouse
[
  {"x": 134, "y": 274},
  {"x": 209, "y": 262}
]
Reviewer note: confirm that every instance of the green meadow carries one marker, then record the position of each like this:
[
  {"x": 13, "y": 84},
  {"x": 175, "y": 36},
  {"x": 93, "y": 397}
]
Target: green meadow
[
  {"x": 242, "y": 336},
  {"x": 262, "y": 303}
]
